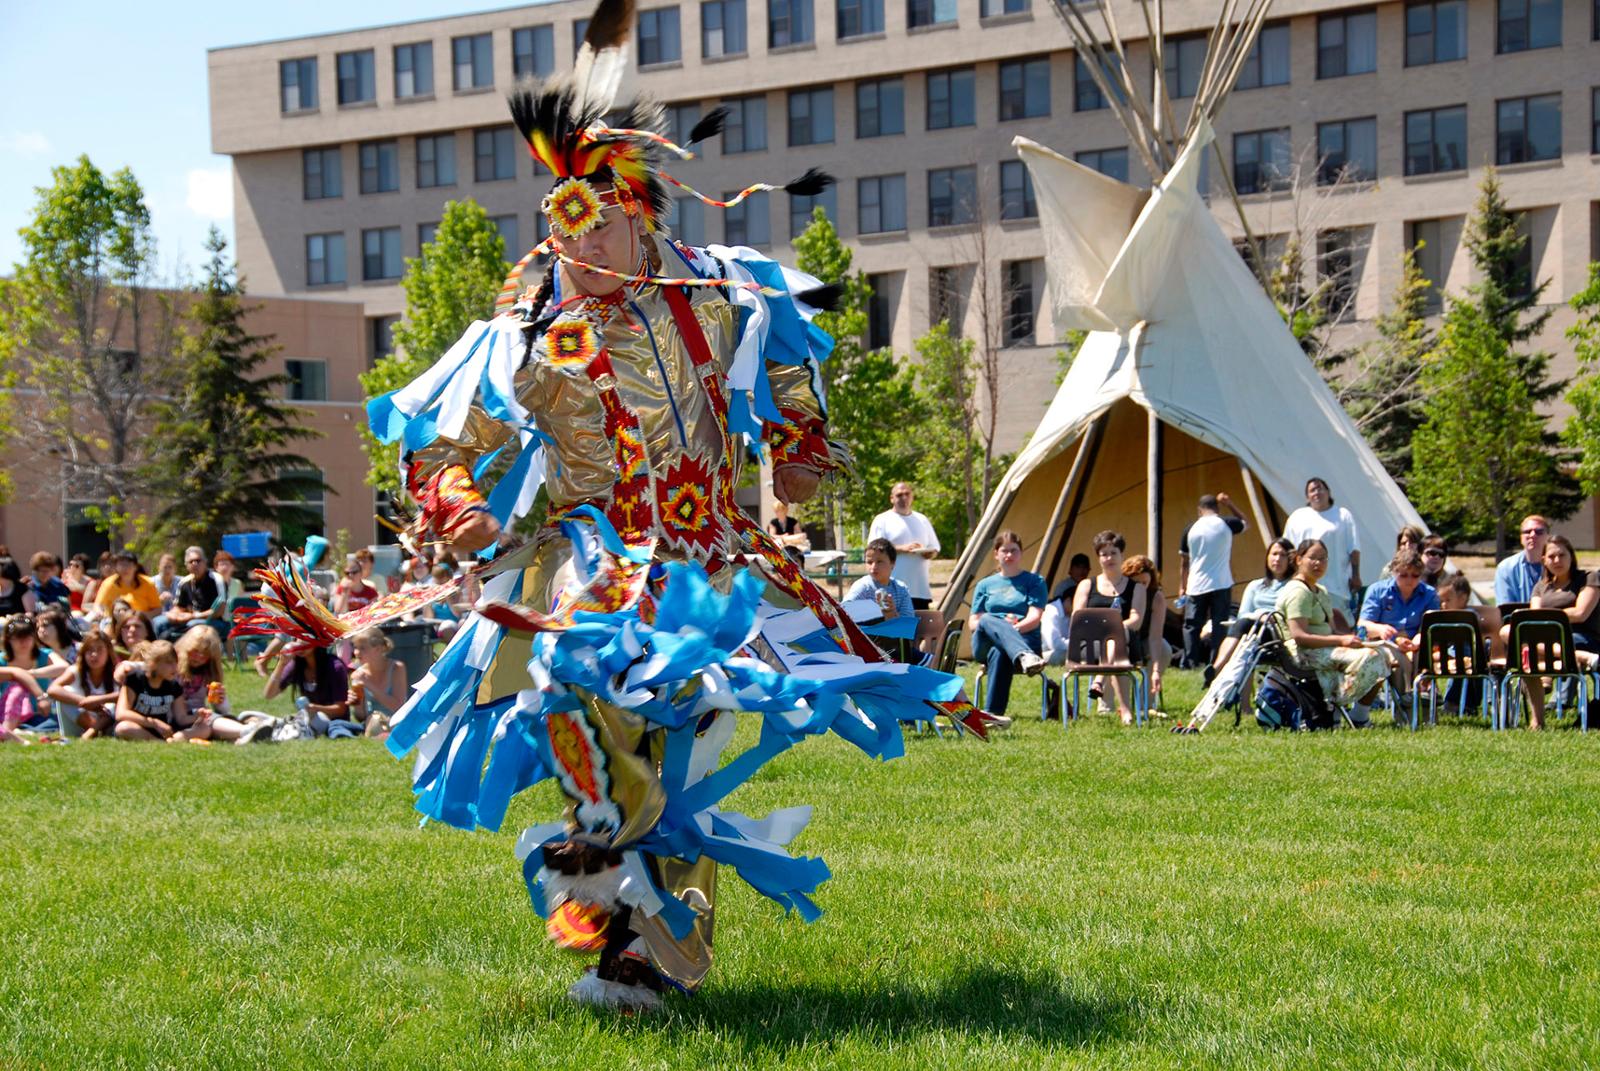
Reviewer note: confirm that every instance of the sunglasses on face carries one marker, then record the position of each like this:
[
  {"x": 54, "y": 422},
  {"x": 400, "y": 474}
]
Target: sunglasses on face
[
  {"x": 1534, "y": 531},
  {"x": 1433, "y": 554}
]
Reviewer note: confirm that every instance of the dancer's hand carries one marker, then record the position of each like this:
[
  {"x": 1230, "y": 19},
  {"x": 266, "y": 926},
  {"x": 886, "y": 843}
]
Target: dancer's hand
[
  {"x": 476, "y": 532},
  {"x": 794, "y": 483}
]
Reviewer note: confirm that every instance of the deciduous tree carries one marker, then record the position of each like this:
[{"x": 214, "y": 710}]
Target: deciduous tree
[{"x": 1583, "y": 426}]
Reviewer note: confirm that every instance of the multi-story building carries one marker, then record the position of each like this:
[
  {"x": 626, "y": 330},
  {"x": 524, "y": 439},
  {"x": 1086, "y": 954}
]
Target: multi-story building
[{"x": 346, "y": 146}]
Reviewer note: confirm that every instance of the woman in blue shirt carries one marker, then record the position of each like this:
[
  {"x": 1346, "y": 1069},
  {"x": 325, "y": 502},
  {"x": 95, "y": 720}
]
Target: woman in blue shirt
[
  {"x": 1007, "y": 607},
  {"x": 1260, "y": 598},
  {"x": 1393, "y": 609}
]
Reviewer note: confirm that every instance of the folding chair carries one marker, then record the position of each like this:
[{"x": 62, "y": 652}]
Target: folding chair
[
  {"x": 1541, "y": 647},
  {"x": 1451, "y": 649},
  {"x": 1094, "y": 636},
  {"x": 239, "y": 646}
]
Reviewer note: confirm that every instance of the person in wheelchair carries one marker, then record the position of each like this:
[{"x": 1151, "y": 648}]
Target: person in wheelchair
[{"x": 1349, "y": 673}]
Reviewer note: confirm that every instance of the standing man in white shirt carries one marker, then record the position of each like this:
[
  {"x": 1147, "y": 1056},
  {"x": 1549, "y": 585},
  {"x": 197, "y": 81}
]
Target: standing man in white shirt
[
  {"x": 1320, "y": 519},
  {"x": 1205, "y": 574},
  {"x": 914, "y": 540}
]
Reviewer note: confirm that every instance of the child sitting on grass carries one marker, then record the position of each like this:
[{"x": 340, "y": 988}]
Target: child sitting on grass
[
  {"x": 90, "y": 687},
  {"x": 378, "y": 685},
  {"x": 151, "y": 705},
  {"x": 200, "y": 676},
  {"x": 323, "y": 682}
]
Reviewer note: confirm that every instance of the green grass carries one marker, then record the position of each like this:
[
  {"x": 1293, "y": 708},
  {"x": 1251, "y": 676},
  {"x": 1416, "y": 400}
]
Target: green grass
[{"x": 1097, "y": 897}]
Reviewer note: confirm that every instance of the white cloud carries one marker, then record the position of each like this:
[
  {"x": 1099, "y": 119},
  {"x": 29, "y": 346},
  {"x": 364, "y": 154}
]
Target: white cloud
[
  {"x": 211, "y": 192},
  {"x": 27, "y": 143}
]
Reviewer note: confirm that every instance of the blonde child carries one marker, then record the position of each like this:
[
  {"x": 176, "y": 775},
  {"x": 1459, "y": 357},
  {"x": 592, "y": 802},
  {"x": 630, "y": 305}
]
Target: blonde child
[
  {"x": 378, "y": 684},
  {"x": 200, "y": 676},
  {"x": 151, "y": 706},
  {"x": 90, "y": 687}
]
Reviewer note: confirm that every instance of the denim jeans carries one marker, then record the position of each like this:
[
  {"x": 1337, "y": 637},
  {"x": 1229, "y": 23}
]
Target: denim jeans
[
  {"x": 998, "y": 644},
  {"x": 1212, "y": 606}
]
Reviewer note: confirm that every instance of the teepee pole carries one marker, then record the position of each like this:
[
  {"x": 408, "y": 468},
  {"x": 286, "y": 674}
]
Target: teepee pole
[
  {"x": 1218, "y": 37},
  {"x": 1258, "y": 261},
  {"x": 1096, "y": 436},
  {"x": 1153, "y": 485},
  {"x": 1100, "y": 67},
  {"x": 1091, "y": 436},
  {"x": 1160, "y": 94},
  {"x": 1253, "y": 492},
  {"x": 1151, "y": 128},
  {"x": 1246, "y": 42}
]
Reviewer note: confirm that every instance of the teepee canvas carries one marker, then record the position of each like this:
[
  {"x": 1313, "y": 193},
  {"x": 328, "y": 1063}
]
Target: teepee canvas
[{"x": 1188, "y": 383}]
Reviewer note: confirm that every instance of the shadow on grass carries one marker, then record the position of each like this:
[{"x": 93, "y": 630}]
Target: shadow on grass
[{"x": 775, "y": 1016}]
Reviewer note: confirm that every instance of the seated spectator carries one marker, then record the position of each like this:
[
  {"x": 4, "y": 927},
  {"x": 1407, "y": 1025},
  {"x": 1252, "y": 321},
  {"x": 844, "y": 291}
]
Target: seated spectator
[
  {"x": 1576, "y": 593},
  {"x": 1007, "y": 607},
  {"x": 323, "y": 682},
  {"x": 127, "y": 582},
  {"x": 879, "y": 584},
  {"x": 229, "y": 589},
  {"x": 1058, "y": 611},
  {"x": 167, "y": 580},
  {"x": 1409, "y": 538},
  {"x": 1435, "y": 568},
  {"x": 787, "y": 531},
  {"x": 56, "y": 633},
  {"x": 378, "y": 684},
  {"x": 446, "y": 613},
  {"x": 136, "y": 629},
  {"x": 1516, "y": 576},
  {"x": 77, "y": 579},
  {"x": 369, "y": 563},
  {"x": 1109, "y": 589},
  {"x": 105, "y": 568},
  {"x": 1152, "y": 614},
  {"x": 1260, "y": 599},
  {"x": 25, "y": 668},
  {"x": 197, "y": 600},
  {"x": 418, "y": 573},
  {"x": 1455, "y": 593},
  {"x": 200, "y": 676},
  {"x": 353, "y": 592},
  {"x": 48, "y": 588},
  {"x": 88, "y": 692},
  {"x": 1392, "y": 612},
  {"x": 16, "y": 597},
  {"x": 1349, "y": 672},
  {"x": 151, "y": 704}
]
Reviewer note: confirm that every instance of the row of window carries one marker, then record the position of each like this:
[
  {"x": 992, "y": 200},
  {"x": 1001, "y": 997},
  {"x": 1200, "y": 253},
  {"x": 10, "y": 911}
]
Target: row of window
[
  {"x": 382, "y": 260},
  {"x": 1347, "y": 44},
  {"x": 1526, "y": 129},
  {"x": 494, "y": 159}
]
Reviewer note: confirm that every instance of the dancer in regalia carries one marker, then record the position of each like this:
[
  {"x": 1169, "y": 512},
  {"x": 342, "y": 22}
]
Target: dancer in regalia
[{"x": 613, "y": 651}]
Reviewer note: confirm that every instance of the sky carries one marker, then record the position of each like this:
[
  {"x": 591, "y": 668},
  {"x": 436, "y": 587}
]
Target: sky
[{"x": 126, "y": 84}]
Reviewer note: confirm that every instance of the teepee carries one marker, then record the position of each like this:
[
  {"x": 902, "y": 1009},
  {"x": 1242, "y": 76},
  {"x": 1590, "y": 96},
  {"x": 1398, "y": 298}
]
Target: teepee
[{"x": 1189, "y": 382}]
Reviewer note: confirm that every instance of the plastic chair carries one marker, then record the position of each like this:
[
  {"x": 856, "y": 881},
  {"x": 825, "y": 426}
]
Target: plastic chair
[
  {"x": 1451, "y": 649},
  {"x": 1541, "y": 648},
  {"x": 239, "y": 646},
  {"x": 950, "y": 646},
  {"x": 1094, "y": 635}
]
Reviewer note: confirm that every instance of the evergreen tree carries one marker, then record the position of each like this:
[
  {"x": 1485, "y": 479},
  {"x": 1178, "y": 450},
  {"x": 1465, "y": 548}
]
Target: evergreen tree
[
  {"x": 454, "y": 282},
  {"x": 1583, "y": 426},
  {"x": 222, "y": 443},
  {"x": 870, "y": 398},
  {"x": 1384, "y": 396},
  {"x": 1479, "y": 460}
]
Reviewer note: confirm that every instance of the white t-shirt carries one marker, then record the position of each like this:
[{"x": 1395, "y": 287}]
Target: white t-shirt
[
  {"x": 1337, "y": 530},
  {"x": 910, "y": 569},
  {"x": 1209, "y": 545}
]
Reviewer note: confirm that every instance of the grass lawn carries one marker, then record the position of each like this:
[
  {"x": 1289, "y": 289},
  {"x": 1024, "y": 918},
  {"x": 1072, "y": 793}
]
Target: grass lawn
[{"x": 1097, "y": 897}]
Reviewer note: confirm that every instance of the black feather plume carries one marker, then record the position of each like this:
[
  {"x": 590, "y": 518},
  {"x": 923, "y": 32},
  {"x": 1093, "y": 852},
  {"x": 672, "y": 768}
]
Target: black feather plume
[
  {"x": 813, "y": 182},
  {"x": 824, "y": 298},
  {"x": 709, "y": 127}
]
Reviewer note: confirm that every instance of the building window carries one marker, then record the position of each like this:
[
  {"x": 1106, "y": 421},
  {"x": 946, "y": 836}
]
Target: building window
[
  {"x": 324, "y": 259},
  {"x": 802, "y": 210},
  {"x": 297, "y": 85},
  {"x": 322, "y": 172},
  {"x": 947, "y": 293},
  {"x": 494, "y": 155},
  {"x": 881, "y": 203},
  {"x": 293, "y": 533},
  {"x": 1594, "y": 112},
  {"x": 580, "y": 29},
  {"x": 380, "y": 166},
  {"x": 1436, "y": 32},
  {"x": 1261, "y": 160},
  {"x": 952, "y": 196},
  {"x": 425, "y": 233},
  {"x": 1017, "y": 278},
  {"x": 988, "y": 9},
  {"x": 745, "y": 128},
  {"x": 859, "y": 17},
  {"x": 1182, "y": 61},
  {"x": 1436, "y": 140},
  {"x": 880, "y": 108},
  {"x": 380, "y": 253},
  {"x": 507, "y": 226},
  {"x": 789, "y": 23},
  {"x": 472, "y": 61},
  {"x": 436, "y": 161},
  {"x": 1086, "y": 95},
  {"x": 1025, "y": 88},
  {"x": 688, "y": 220},
  {"x": 1527, "y": 24},
  {"x": 658, "y": 36},
  {"x": 951, "y": 99},
  {"x": 930, "y": 13},
  {"x": 413, "y": 70},
  {"x": 1347, "y": 44},
  {"x": 1347, "y": 151},
  {"x": 1527, "y": 128},
  {"x": 750, "y": 221},
  {"x": 1016, "y": 191},
  {"x": 1112, "y": 163},
  {"x": 1268, "y": 61},
  {"x": 811, "y": 116},
  {"x": 1337, "y": 271},
  {"x": 1426, "y": 240},
  {"x": 533, "y": 52},
  {"x": 681, "y": 119},
  {"x": 308, "y": 381},
  {"x": 880, "y": 309},
  {"x": 356, "y": 83},
  {"x": 722, "y": 28}
]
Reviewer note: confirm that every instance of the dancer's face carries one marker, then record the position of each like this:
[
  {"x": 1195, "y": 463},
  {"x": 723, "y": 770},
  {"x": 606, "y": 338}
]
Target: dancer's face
[{"x": 613, "y": 245}]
